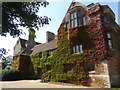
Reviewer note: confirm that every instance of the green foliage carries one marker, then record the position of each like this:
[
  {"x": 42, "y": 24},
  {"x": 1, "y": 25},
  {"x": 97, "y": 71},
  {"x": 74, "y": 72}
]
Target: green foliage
[
  {"x": 35, "y": 62},
  {"x": 25, "y": 66},
  {"x": 54, "y": 68},
  {"x": 15, "y": 14},
  {"x": 5, "y": 60},
  {"x": 16, "y": 62},
  {"x": 62, "y": 65},
  {"x": 79, "y": 35},
  {"x": 10, "y": 74},
  {"x": 115, "y": 88},
  {"x": 32, "y": 33}
]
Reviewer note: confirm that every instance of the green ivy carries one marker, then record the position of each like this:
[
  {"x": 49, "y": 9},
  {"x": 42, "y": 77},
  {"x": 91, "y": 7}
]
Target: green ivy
[
  {"x": 62, "y": 56},
  {"x": 62, "y": 65}
]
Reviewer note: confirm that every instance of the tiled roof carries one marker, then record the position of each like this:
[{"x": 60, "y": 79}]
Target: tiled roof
[
  {"x": 44, "y": 47},
  {"x": 74, "y": 4},
  {"x": 23, "y": 42}
]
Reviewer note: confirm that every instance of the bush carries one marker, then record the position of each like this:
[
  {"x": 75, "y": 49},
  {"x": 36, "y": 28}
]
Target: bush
[
  {"x": 9, "y": 74},
  {"x": 61, "y": 77}
]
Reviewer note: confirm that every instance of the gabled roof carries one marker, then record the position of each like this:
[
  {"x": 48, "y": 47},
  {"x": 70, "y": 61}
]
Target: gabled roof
[
  {"x": 72, "y": 5},
  {"x": 75, "y": 3},
  {"x": 90, "y": 5},
  {"x": 23, "y": 42},
  {"x": 44, "y": 47}
]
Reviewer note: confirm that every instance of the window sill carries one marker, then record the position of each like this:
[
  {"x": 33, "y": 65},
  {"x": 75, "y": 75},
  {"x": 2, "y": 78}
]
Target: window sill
[{"x": 78, "y": 53}]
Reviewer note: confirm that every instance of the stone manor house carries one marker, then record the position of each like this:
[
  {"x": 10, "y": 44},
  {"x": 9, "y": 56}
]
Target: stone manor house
[{"x": 90, "y": 27}]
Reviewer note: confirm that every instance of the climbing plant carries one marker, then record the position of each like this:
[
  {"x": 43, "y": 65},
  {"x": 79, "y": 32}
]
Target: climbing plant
[{"x": 63, "y": 65}]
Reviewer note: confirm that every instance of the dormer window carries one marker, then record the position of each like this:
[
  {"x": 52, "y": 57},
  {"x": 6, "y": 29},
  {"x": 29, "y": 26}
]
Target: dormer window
[{"x": 75, "y": 19}]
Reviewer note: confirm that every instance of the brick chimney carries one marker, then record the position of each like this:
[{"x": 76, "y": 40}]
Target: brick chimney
[
  {"x": 49, "y": 36},
  {"x": 31, "y": 43}
]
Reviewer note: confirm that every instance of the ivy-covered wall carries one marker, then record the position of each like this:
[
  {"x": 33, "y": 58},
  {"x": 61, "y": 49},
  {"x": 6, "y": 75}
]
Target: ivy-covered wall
[
  {"x": 79, "y": 35},
  {"x": 15, "y": 63},
  {"x": 63, "y": 66},
  {"x": 96, "y": 32},
  {"x": 35, "y": 62},
  {"x": 24, "y": 65}
]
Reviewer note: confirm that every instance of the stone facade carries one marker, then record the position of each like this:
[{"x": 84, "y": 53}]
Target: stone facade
[
  {"x": 100, "y": 22},
  {"x": 49, "y": 36},
  {"x": 91, "y": 27},
  {"x": 18, "y": 48}
]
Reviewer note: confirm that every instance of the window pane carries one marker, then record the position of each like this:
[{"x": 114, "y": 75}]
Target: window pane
[
  {"x": 75, "y": 20},
  {"x": 85, "y": 20},
  {"x": 64, "y": 25},
  {"x": 74, "y": 15},
  {"x": 77, "y": 49},
  {"x": 74, "y": 49},
  {"x": 40, "y": 54},
  {"x": 71, "y": 16},
  {"x": 79, "y": 21},
  {"x": 81, "y": 48},
  {"x": 49, "y": 53},
  {"x": 67, "y": 25},
  {"x": 105, "y": 19},
  {"x": 73, "y": 23},
  {"x": 108, "y": 35},
  {"x": 110, "y": 44},
  {"x": 78, "y": 14}
]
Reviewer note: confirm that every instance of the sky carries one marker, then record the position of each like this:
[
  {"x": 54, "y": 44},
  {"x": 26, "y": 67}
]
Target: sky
[{"x": 56, "y": 10}]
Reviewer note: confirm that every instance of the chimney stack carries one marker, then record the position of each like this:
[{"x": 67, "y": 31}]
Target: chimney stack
[
  {"x": 31, "y": 34},
  {"x": 49, "y": 36},
  {"x": 31, "y": 43}
]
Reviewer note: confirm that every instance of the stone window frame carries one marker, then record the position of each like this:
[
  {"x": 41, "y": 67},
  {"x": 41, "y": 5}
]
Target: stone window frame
[
  {"x": 75, "y": 18},
  {"x": 109, "y": 40},
  {"x": 77, "y": 49},
  {"x": 85, "y": 20}
]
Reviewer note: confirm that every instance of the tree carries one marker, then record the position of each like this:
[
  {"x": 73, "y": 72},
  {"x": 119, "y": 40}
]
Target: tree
[
  {"x": 6, "y": 60},
  {"x": 24, "y": 14},
  {"x": 15, "y": 14}
]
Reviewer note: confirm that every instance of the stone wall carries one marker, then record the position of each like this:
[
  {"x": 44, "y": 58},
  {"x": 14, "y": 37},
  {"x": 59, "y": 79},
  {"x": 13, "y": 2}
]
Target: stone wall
[
  {"x": 49, "y": 36},
  {"x": 24, "y": 65},
  {"x": 95, "y": 26},
  {"x": 113, "y": 67}
]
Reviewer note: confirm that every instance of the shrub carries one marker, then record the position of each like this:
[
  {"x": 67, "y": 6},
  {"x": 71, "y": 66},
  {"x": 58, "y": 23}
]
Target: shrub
[{"x": 10, "y": 74}]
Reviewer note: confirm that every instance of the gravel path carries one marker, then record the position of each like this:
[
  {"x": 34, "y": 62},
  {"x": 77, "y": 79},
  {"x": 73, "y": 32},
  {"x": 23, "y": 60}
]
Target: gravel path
[{"x": 35, "y": 84}]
